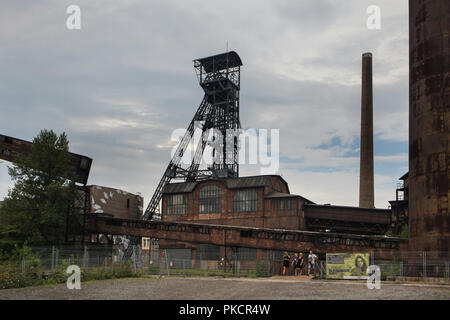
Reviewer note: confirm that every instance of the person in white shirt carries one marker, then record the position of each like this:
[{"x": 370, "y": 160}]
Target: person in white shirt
[{"x": 312, "y": 258}]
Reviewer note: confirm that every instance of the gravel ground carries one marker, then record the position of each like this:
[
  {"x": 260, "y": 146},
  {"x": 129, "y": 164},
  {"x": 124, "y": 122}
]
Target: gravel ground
[{"x": 229, "y": 289}]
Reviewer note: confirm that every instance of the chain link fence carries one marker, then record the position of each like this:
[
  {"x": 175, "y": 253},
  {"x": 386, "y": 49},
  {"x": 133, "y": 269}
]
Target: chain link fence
[{"x": 104, "y": 262}]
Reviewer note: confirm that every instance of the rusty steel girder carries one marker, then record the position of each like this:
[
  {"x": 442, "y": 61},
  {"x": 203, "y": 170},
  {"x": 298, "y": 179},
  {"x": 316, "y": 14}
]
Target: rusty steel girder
[{"x": 233, "y": 236}]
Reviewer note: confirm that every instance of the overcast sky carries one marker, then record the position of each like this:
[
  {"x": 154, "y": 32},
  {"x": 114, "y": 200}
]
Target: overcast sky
[{"x": 120, "y": 86}]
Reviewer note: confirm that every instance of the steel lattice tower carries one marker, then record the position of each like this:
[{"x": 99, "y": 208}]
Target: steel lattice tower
[{"x": 219, "y": 76}]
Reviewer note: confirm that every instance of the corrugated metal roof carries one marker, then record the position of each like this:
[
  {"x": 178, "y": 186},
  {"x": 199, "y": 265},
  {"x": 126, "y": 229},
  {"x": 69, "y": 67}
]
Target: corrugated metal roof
[
  {"x": 280, "y": 195},
  {"x": 221, "y": 61},
  {"x": 247, "y": 182},
  {"x": 275, "y": 195},
  {"x": 232, "y": 183},
  {"x": 182, "y": 187}
]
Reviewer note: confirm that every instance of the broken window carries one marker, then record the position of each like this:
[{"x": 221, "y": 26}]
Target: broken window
[
  {"x": 210, "y": 199},
  {"x": 245, "y": 201},
  {"x": 177, "y": 204}
]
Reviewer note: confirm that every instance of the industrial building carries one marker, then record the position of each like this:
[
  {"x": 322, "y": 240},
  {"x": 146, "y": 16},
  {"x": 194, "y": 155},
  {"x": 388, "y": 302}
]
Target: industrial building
[
  {"x": 264, "y": 202},
  {"x": 115, "y": 202},
  {"x": 218, "y": 213}
]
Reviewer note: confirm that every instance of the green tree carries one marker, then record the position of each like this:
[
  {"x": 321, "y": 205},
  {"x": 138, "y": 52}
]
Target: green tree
[{"x": 34, "y": 211}]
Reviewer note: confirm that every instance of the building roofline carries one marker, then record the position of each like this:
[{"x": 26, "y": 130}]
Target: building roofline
[
  {"x": 193, "y": 185},
  {"x": 344, "y": 207}
]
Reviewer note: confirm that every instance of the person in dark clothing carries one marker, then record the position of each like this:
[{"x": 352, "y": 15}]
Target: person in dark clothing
[
  {"x": 286, "y": 263},
  {"x": 299, "y": 264}
]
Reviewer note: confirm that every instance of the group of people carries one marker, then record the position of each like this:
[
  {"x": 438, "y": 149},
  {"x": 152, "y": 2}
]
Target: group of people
[{"x": 298, "y": 263}]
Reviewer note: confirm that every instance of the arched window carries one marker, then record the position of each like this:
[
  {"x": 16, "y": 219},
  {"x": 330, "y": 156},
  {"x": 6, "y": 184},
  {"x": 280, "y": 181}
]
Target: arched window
[
  {"x": 210, "y": 199},
  {"x": 245, "y": 201},
  {"x": 177, "y": 204}
]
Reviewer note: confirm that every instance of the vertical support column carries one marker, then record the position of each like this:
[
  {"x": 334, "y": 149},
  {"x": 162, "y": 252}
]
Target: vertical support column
[{"x": 366, "y": 182}]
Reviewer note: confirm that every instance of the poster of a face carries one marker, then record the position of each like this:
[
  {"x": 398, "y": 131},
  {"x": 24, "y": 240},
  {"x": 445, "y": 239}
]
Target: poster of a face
[{"x": 341, "y": 266}]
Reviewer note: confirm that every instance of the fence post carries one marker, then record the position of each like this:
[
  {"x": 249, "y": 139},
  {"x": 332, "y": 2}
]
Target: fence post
[
  {"x": 140, "y": 262},
  {"x": 167, "y": 263},
  {"x": 401, "y": 270},
  {"x": 56, "y": 257},
  {"x": 134, "y": 258},
  {"x": 238, "y": 266},
  {"x": 112, "y": 264},
  {"x": 372, "y": 258},
  {"x": 184, "y": 269},
  {"x": 23, "y": 266},
  {"x": 446, "y": 271},
  {"x": 85, "y": 257},
  {"x": 424, "y": 265},
  {"x": 106, "y": 266},
  {"x": 53, "y": 258}
]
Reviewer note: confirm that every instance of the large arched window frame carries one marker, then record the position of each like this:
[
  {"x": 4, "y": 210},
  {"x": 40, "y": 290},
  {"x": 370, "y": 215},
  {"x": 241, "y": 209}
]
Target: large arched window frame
[
  {"x": 245, "y": 201},
  {"x": 176, "y": 204},
  {"x": 210, "y": 199}
]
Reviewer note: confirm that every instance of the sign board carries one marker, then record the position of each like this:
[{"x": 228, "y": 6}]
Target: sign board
[{"x": 347, "y": 265}]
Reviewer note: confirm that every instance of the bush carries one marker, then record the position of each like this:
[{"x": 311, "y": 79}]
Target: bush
[
  {"x": 15, "y": 274},
  {"x": 19, "y": 268}
]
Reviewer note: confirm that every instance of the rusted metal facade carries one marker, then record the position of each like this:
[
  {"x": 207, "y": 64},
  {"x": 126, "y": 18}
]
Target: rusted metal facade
[
  {"x": 276, "y": 208},
  {"x": 180, "y": 233},
  {"x": 366, "y": 182},
  {"x": 268, "y": 212},
  {"x": 429, "y": 121},
  {"x": 347, "y": 219},
  {"x": 277, "y": 221}
]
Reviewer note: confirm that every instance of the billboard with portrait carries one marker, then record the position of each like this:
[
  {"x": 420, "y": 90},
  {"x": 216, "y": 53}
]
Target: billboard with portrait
[{"x": 347, "y": 265}]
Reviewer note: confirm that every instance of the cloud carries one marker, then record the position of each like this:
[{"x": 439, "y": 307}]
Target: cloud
[{"x": 123, "y": 83}]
